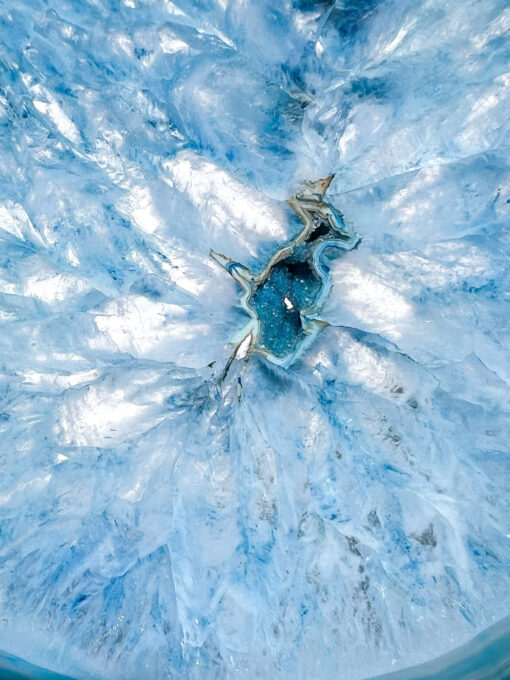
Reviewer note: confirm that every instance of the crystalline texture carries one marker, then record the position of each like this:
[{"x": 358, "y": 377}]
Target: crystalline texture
[
  {"x": 348, "y": 515},
  {"x": 284, "y": 300}
]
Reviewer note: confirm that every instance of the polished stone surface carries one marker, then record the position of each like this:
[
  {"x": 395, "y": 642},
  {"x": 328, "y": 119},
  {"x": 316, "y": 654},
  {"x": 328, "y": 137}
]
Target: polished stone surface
[{"x": 344, "y": 517}]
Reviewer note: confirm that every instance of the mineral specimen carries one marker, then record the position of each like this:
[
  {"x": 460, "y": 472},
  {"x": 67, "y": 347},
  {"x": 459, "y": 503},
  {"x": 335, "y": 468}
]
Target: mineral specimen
[{"x": 285, "y": 299}]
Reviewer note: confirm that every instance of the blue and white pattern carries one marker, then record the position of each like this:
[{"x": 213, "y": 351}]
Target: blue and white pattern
[{"x": 349, "y": 515}]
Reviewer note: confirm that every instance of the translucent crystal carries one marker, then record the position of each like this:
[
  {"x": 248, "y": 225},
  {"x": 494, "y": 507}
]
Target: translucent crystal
[{"x": 347, "y": 515}]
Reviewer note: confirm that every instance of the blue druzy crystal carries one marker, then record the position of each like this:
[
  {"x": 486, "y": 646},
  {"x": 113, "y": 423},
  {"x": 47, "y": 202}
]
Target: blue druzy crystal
[{"x": 285, "y": 299}]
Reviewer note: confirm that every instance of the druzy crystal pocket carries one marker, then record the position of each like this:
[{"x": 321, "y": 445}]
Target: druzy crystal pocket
[{"x": 284, "y": 300}]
